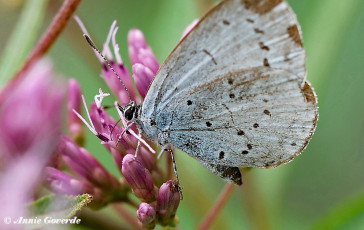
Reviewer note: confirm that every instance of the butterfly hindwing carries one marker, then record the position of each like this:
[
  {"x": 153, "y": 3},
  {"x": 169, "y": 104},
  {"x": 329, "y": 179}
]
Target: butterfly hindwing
[{"x": 254, "y": 118}]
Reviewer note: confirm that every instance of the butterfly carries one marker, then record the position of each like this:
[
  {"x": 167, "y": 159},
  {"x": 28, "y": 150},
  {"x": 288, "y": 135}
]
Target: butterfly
[{"x": 233, "y": 93}]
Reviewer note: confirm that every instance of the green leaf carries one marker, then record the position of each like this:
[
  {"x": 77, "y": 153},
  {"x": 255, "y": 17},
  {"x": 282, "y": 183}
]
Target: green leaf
[
  {"x": 58, "y": 206},
  {"x": 22, "y": 38},
  {"x": 343, "y": 213}
]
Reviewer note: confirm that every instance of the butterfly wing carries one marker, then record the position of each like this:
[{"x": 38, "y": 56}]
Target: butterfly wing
[
  {"x": 235, "y": 35},
  {"x": 260, "y": 117},
  {"x": 233, "y": 92}
]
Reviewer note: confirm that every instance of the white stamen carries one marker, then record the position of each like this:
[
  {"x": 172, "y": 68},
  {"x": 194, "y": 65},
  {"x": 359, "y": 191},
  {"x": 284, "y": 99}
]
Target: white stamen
[
  {"x": 99, "y": 97},
  {"x": 130, "y": 130},
  {"x": 106, "y": 50},
  {"x": 88, "y": 114},
  {"x": 85, "y": 122},
  {"x": 116, "y": 47}
]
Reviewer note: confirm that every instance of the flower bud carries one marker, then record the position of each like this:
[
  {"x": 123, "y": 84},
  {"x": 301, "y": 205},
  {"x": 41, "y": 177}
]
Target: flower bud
[
  {"x": 189, "y": 28},
  {"x": 75, "y": 126},
  {"x": 59, "y": 182},
  {"x": 147, "y": 215},
  {"x": 86, "y": 165},
  {"x": 139, "y": 178},
  {"x": 142, "y": 78},
  {"x": 140, "y": 52},
  {"x": 167, "y": 202}
]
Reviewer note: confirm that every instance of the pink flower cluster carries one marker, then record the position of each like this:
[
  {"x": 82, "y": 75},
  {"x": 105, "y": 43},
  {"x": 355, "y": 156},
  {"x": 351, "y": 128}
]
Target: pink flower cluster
[{"x": 141, "y": 175}]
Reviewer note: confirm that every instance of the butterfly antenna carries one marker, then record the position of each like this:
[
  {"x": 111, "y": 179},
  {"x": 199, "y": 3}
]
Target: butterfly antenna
[{"x": 91, "y": 43}]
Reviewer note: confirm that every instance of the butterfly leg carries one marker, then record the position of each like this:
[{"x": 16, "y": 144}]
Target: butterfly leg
[
  {"x": 123, "y": 132},
  {"x": 167, "y": 148},
  {"x": 113, "y": 128},
  {"x": 138, "y": 145}
]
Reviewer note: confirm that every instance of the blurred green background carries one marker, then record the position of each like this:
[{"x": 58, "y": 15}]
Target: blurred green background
[{"x": 321, "y": 189}]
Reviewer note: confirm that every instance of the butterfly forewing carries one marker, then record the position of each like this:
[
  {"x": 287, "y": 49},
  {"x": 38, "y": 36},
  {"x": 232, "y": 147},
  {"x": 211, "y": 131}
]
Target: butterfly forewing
[
  {"x": 233, "y": 92},
  {"x": 232, "y": 36}
]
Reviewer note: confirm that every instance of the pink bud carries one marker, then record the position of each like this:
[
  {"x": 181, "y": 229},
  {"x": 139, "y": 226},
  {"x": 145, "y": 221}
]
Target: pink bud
[
  {"x": 86, "y": 165},
  {"x": 142, "y": 77},
  {"x": 62, "y": 183},
  {"x": 140, "y": 52},
  {"x": 75, "y": 126},
  {"x": 139, "y": 178},
  {"x": 167, "y": 202},
  {"x": 189, "y": 28},
  {"x": 147, "y": 215}
]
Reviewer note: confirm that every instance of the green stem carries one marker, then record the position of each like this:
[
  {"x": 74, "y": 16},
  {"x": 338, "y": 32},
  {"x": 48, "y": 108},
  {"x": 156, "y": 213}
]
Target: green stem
[{"x": 22, "y": 38}]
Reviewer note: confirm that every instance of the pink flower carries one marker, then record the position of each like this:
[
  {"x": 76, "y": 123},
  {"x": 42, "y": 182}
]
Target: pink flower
[
  {"x": 139, "y": 169},
  {"x": 29, "y": 132}
]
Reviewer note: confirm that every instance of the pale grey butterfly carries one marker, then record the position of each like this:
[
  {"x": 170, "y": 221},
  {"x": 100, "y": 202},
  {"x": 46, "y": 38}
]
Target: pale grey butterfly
[{"x": 233, "y": 92}]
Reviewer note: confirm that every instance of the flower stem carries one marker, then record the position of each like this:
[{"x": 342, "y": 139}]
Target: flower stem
[
  {"x": 18, "y": 45},
  {"x": 169, "y": 169},
  {"x": 126, "y": 216},
  {"x": 44, "y": 43},
  {"x": 132, "y": 203},
  {"x": 254, "y": 204},
  {"x": 94, "y": 220},
  {"x": 50, "y": 35},
  {"x": 219, "y": 204}
]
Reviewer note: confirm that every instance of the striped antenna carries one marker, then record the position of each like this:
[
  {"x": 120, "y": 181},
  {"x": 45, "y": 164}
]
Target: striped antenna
[{"x": 91, "y": 43}]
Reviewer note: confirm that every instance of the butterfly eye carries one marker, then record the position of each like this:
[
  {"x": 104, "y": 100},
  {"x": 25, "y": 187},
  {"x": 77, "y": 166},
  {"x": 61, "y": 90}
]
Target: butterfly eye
[{"x": 129, "y": 113}]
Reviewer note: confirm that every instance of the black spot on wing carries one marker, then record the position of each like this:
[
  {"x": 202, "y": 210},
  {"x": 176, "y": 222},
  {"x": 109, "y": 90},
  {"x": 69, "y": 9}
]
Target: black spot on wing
[
  {"x": 221, "y": 155},
  {"x": 263, "y": 47},
  {"x": 258, "y": 31},
  {"x": 225, "y": 22},
  {"x": 241, "y": 132},
  {"x": 266, "y": 112},
  {"x": 250, "y": 20}
]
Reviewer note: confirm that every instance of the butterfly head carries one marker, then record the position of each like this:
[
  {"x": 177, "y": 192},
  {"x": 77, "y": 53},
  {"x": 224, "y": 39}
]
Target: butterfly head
[{"x": 130, "y": 111}]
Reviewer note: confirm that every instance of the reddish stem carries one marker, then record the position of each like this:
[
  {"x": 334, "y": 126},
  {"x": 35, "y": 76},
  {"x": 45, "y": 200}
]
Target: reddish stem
[
  {"x": 47, "y": 39},
  {"x": 126, "y": 216},
  {"x": 50, "y": 35},
  {"x": 219, "y": 204}
]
